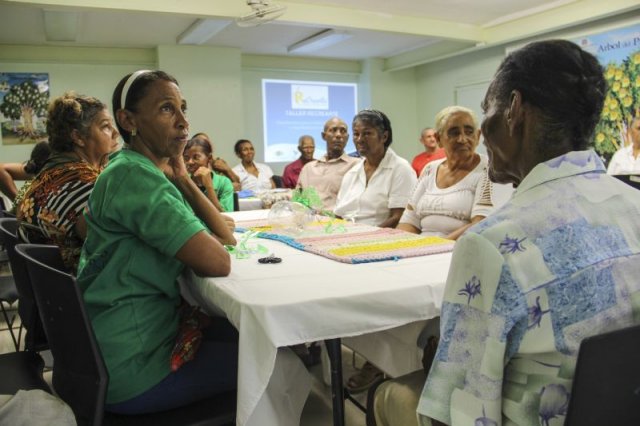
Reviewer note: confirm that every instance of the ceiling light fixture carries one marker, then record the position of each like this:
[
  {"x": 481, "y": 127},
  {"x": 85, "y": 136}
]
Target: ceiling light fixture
[
  {"x": 201, "y": 31},
  {"x": 319, "y": 41}
]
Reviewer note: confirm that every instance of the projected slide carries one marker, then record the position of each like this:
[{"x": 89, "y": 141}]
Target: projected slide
[{"x": 295, "y": 108}]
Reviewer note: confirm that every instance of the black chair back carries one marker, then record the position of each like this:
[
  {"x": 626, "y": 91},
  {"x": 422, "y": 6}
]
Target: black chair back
[
  {"x": 277, "y": 180},
  {"x": 631, "y": 180},
  {"x": 35, "y": 339},
  {"x": 236, "y": 202},
  {"x": 79, "y": 375},
  {"x": 5, "y": 209},
  {"x": 606, "y": 383}
]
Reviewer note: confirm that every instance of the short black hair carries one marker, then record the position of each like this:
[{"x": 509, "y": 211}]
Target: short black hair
[
  {"x": 565, "y": 83},
  {"x": 236, "y": 147},
  {"x": 377, "y": 119},
  {"x": 39, "y": 156}
]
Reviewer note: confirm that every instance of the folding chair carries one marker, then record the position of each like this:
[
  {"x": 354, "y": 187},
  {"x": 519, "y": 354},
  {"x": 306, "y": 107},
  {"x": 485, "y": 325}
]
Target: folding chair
[
  {"x": 8, "y": 296},
  {"x": 79, "y": 374},
  {"x": 606, "y": 383},
  {"x": 35, "y": 339}
]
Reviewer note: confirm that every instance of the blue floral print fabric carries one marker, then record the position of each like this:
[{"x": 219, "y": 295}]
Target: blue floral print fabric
[{"x": 558, "y": 263}]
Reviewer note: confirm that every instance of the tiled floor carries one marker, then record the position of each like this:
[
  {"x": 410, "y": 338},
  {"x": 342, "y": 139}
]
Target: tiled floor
[
  {"x": 318, "y": 409},
  {"x": 6, "y": 343}
]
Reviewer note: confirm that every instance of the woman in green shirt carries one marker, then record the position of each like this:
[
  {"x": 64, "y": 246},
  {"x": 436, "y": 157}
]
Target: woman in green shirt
[
  {"x": 146, "y": 221},
  {"x": 218, "y": 188}
]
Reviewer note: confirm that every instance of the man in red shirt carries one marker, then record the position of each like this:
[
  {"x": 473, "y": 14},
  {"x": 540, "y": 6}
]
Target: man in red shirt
[
  {"x": 306, "y": 146},
  {"x": 431, "y": 150}
]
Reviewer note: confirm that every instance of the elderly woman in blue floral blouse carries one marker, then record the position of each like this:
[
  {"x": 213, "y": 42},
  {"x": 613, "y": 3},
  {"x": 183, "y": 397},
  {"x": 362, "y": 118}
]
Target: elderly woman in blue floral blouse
[{"x": 558, "y": 263}]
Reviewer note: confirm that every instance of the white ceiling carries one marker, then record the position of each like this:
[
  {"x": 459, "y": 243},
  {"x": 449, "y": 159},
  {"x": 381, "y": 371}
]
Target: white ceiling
[{"x": 380, "y": 28}]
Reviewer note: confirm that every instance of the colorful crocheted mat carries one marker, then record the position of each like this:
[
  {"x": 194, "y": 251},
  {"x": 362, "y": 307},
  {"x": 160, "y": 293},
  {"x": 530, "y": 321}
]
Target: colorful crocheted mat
[{"x": 352, "y": 242}]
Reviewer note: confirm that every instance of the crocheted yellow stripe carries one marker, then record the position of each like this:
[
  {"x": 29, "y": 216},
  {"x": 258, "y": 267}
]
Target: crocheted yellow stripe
[
  {"x": 261, "y": 228},
  {"x": 393, "y": 245}
]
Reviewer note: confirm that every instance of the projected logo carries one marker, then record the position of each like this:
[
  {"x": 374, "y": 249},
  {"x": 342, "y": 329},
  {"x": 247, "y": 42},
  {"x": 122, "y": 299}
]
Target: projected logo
[{"x": 309, "y": 97}]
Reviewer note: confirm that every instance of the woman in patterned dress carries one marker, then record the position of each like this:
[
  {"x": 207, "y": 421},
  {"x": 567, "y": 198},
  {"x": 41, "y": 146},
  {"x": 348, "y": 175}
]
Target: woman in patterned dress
[{"x": 81, "y": 136}]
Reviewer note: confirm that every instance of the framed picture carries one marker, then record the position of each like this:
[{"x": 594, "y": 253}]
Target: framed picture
[
  {"x": 618, "y": 51},
  {"x": 23, "y": 107}
]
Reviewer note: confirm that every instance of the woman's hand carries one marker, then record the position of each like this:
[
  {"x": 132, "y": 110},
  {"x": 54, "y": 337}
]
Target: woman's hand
[
  {"x": 458, "y": 232},
  {"x": 219, "y": 165},
  {"x": 202, "y": 177},
  {"x": 231, "y": 224},
  {"x": 394, "y": 217},
  {"x": 10, "y": 172},
  {"x": 175, "y": 167}
]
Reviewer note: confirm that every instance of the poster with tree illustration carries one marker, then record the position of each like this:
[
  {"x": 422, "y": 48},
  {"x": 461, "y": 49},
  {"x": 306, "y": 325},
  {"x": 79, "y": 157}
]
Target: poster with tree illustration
[
  {"x": 23, "y": 107},
  {"x": 619, "y": 53}
]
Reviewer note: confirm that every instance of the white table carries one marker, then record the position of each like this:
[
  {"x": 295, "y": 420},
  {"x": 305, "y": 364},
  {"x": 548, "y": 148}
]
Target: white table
[{"x": 310, "y": 298}]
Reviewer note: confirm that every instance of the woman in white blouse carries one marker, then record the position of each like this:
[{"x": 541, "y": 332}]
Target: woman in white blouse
[
  {"x": 376, "y": 190},
  {"x": 253, "y": 176},
  {"x": 455, "y": 192}
]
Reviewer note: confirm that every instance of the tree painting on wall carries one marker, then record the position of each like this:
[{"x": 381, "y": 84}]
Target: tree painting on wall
[
  {"x": 619, "y": 53},
  {"x": 23, "y": 107}
]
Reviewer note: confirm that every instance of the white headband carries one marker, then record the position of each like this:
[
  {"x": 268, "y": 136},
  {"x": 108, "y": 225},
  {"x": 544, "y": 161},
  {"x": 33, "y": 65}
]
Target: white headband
[{"x": 127, "y": 85}]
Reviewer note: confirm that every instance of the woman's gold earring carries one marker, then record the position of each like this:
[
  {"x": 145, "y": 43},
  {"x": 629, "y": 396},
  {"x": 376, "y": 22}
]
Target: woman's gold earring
[{"x": 134, "y": 132}]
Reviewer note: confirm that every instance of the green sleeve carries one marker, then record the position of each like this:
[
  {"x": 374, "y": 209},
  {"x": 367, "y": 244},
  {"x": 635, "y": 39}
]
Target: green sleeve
[
  {"x": 224, "y": 191},
  {"x": 161, "y": 218}
]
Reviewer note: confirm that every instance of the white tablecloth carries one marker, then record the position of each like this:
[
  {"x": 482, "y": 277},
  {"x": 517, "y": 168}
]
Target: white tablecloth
[
  {"x": 394, "y": 351},
  {"x": 309, "y": 298}
]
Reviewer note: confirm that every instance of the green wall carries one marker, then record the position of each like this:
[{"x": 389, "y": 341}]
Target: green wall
[
  {"x": 394, "y": 93},
  {"x": 211, "y": 81},
  {"x": 441, "y": 83},
  {"x": 90, "y": 79},
  {"x": 222, "y": 87}
]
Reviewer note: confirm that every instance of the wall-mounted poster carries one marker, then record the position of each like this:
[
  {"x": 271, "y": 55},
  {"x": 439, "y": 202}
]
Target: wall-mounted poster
[
  {"x": 295, "y": 108},
  {"x": 23, "y": 107},
  {"x": 619, "y": 53}
]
